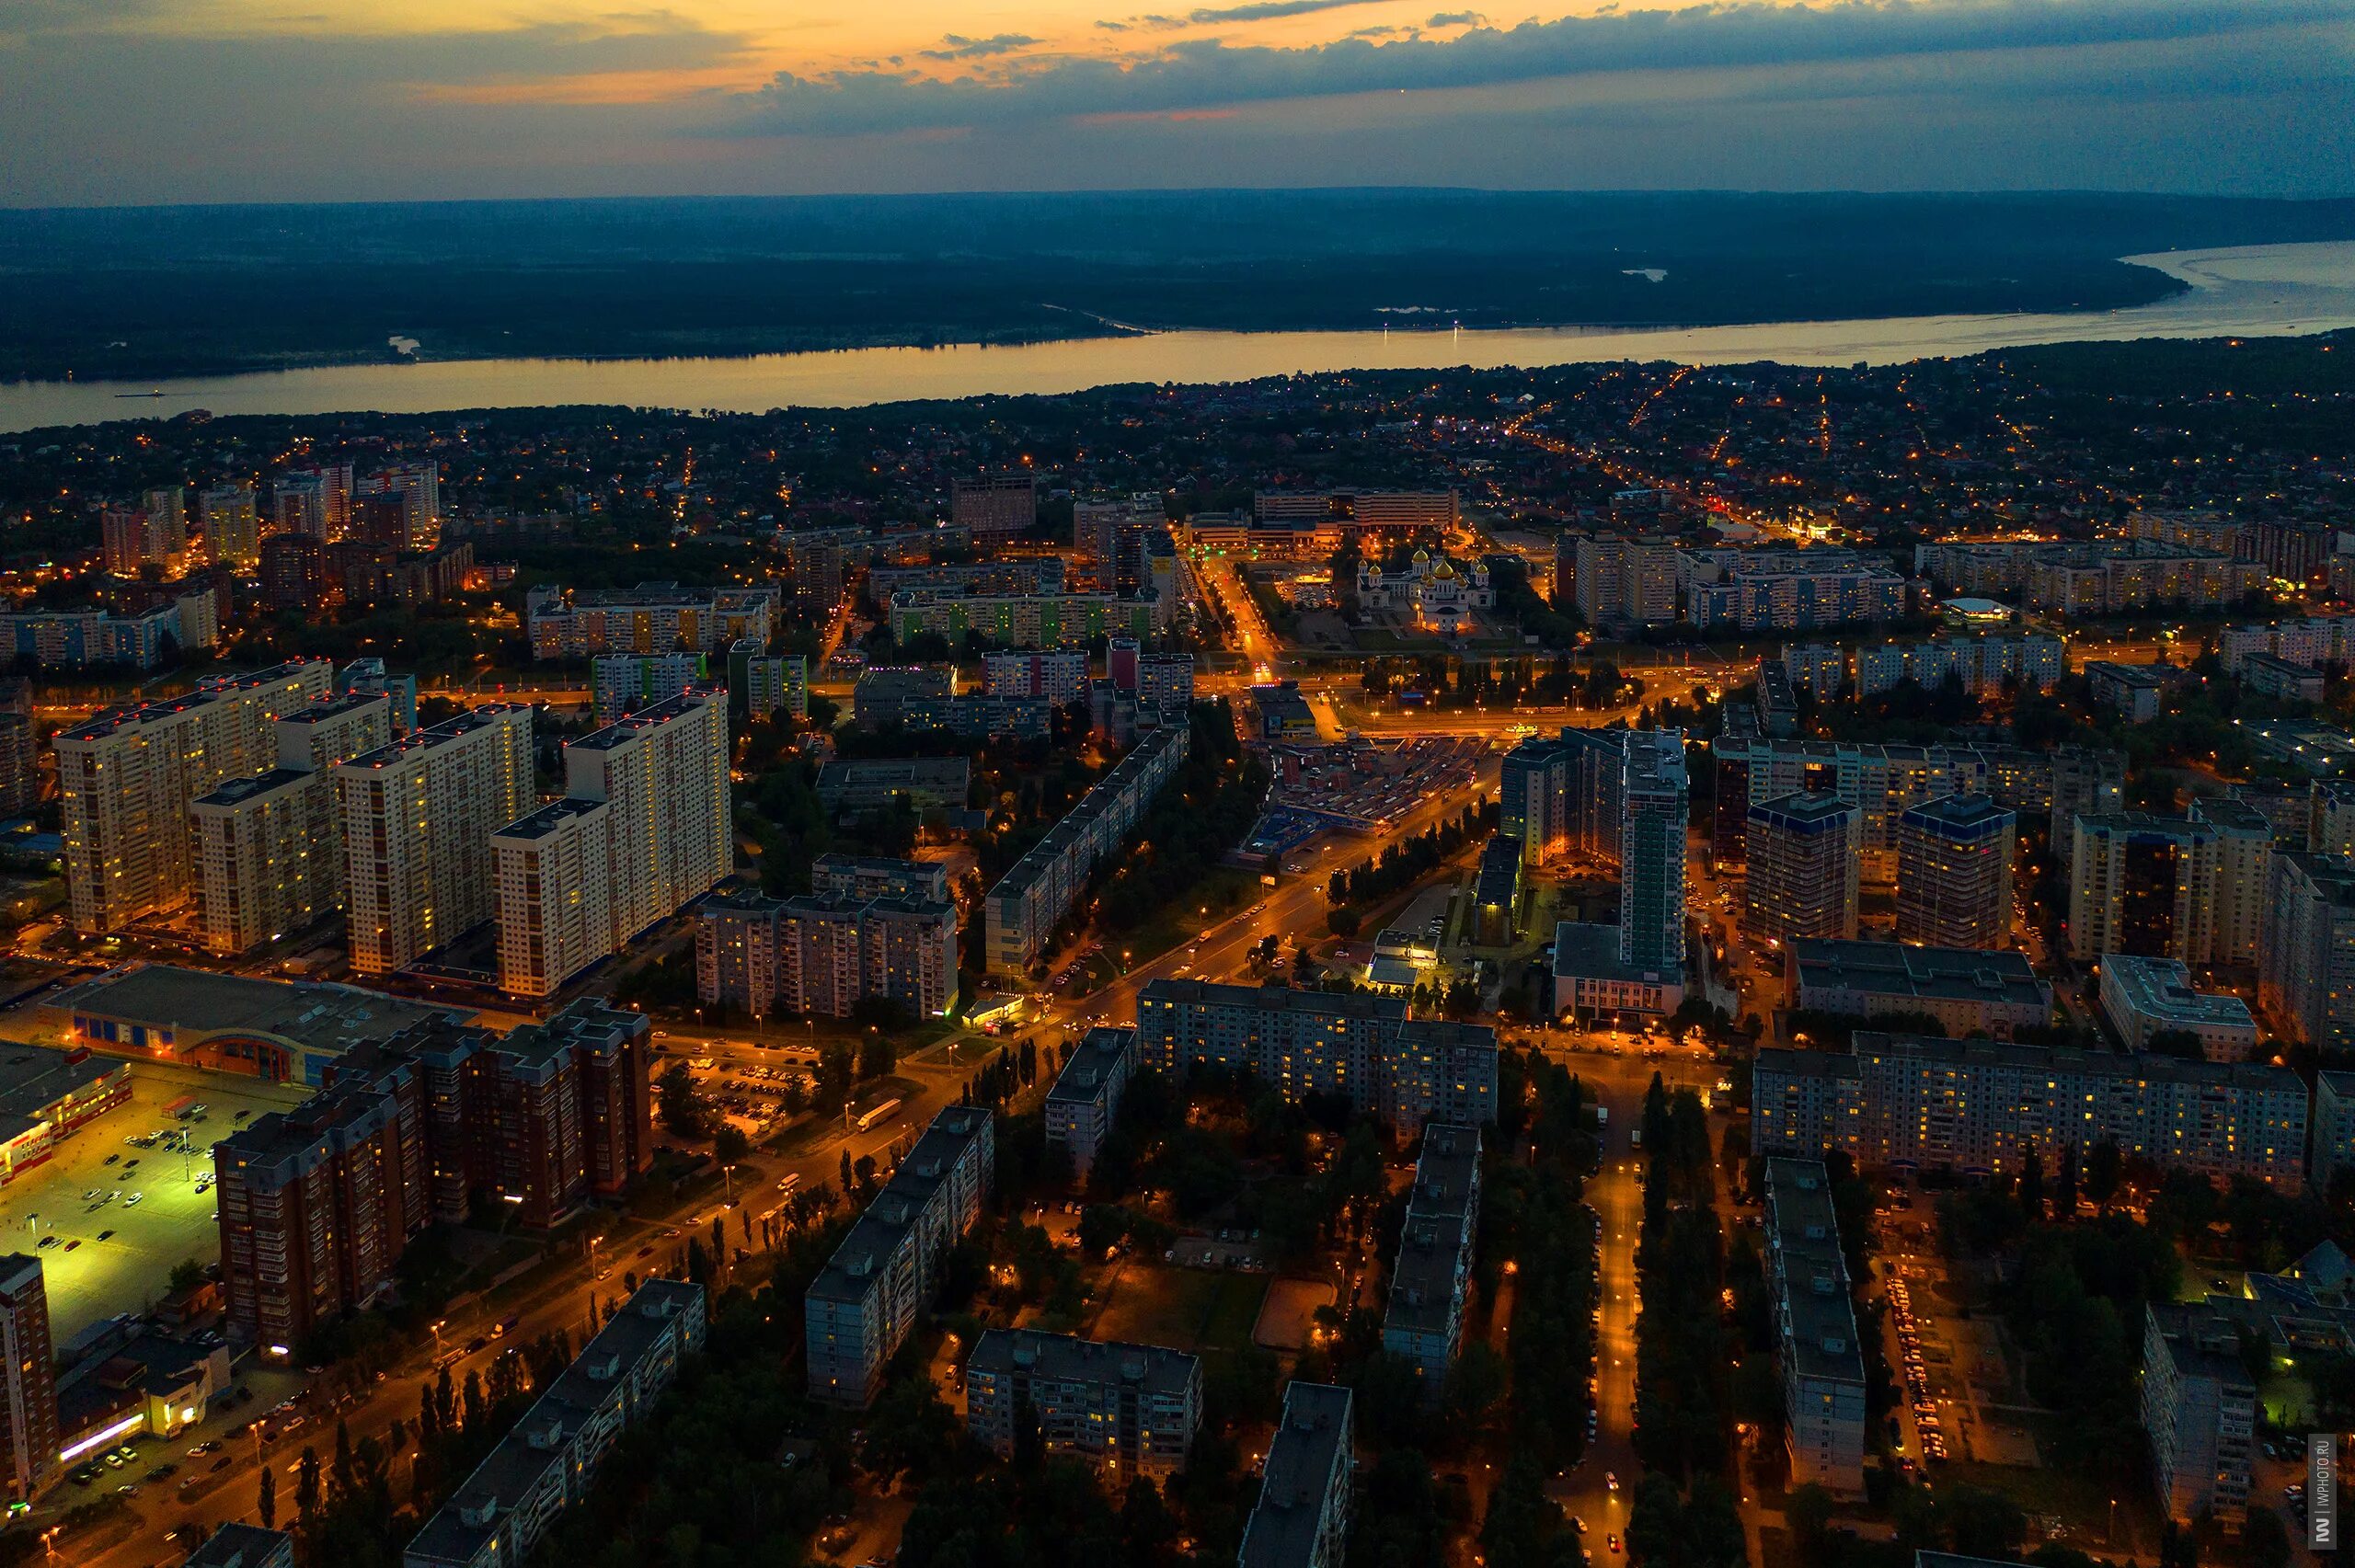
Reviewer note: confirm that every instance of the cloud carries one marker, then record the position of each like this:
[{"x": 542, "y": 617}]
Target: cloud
[
  {"x": 980, "y": 48},
  {"x": 1268, "y": 10},
  {"x": 1728, "y": 34},
  {"x": 1458, "y": 19}
]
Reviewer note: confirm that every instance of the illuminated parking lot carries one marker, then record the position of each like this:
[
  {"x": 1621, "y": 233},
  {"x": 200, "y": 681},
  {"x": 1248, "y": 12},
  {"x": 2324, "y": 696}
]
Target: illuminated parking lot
[{"x": 90, "y": 1278}]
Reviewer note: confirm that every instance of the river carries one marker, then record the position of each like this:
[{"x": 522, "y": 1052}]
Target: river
[{"x": 2257, "y": 291}]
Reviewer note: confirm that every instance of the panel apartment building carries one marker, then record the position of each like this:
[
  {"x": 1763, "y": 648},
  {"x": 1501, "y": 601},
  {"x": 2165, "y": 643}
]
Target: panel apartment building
[
  {"x": 1423, "y": 1321},
  {"x": 270, "y": 855},
  {"x": 1978, "y": 1107},
  {"x": 417, "y": 815},
  {"x": 1302, "y": 1519},
  {"x": 643, "y": 828},
  {"x": 318, "y": 1203},
  {"x": 653, "y": 617},
  {"x": 1881, "y": 782},
  {"x": 1362, "y": 1047},
  {"x": 2200, "y": 1409},
  {"x": 821, "y": 954},
  {"x": 1086, "y": 1099},
  {"x": 1815, "y": 1319},
  {"x": 2170, "y": 887},
  {"x": 1031, "y": 899},
  {"x": 126, "y": 777},
  {"x": 1129, "y": 1408},
  {"x": 548, "y": 1462},
  {"x": 863, "y": 1305}
]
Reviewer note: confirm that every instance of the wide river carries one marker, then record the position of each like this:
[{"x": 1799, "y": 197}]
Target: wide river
[{"x": 2256, "y": 290}]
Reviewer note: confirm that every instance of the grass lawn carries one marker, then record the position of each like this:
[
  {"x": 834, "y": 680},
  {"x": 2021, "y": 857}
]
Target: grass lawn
[{"x": 1189, "y": 1309}]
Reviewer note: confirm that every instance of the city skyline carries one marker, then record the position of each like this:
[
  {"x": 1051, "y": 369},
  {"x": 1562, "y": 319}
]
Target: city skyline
[{"x": 157, "y": 101}]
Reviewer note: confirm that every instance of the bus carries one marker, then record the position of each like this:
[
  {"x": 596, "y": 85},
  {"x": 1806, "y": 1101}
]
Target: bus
[{"x": 867, "y": 1123}]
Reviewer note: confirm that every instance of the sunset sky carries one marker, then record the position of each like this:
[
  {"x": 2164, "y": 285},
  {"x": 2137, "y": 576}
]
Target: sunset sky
[{"x": 116, "y": 101}]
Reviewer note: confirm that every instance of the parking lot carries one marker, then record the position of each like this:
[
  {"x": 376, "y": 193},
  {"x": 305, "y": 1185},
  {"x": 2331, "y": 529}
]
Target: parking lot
[{"x": 113, "y": 1254}]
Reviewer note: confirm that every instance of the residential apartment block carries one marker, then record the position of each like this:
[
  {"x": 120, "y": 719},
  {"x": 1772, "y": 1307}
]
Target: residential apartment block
[
  {"x": 318, "y": 1203},
  {"x": 2306, "y": 970},
  {"x": 861, "y": 1308},
  {"x": 653, "y": 617},
  {"x": 1031, "y": 899},
  {"x": 643, "y": 828},
  {"x": 1409, "y": 1071},
  {"x": 417, "y": 815},
  {"x": 1966, "y": 989},
  {"x": 624, "y": 682},
  {"x": 1302, "y": 1519},
  {"x": 2200, "y": 1409},
  {"x": 1423, "y": 1321},
  {"x": 1822, "y": 1361},
  {"x": 2159, "y": 885},
  {"x": 1881, "y": 782},
  {"x": 1954, "y": 873},
  {"x": 1978, "y": 1107},
  {"x": 1129, "y": 1408},
  {"x": 819, "y": 955},
  {"x": 269, "y": 854},
  {"x": 125, "y": 780},
  {"x": 1802, "y": 878},
  {"x": 546, "y": 1463},
  {"x": 28, "y": 1378},
  {"x": 1085, "y": 1102},
  {"x": 1787, "y": 590}
]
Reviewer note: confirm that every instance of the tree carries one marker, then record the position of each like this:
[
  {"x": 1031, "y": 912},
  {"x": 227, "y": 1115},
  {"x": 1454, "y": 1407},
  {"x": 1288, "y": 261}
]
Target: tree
[
  {"x": 681, "y": 1101},
  {"x": 2103, "y": 1166},
  {"x": 729, "y": 1144},
  {"x": 2265, "y": 1541},
  {"x": 876, "y": 1057},
  {"x": 269, "y": 1497},
  {"x": 187, "y": 1275}
]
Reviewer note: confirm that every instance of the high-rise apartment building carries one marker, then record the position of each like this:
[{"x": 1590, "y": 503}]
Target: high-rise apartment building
[
  {"x": 2306, "y": 970},
  {"x": 293, "y": 572},
  {"x": 1954, "y": 873},
  {"x": 126, "y": 777},
  {"x": 1026, "y": 903},
  {"x": 2245, "y": 844},
  {"x": 624, "y": 682},
  {"x": 131, "y": 538},
  {"x": 821, "y": 954},
  {"x": 504, "y": 1512},
  {"x": 1802, "y": 879},
  {"x": 763, "y": 685},
  {"x": 995, "y": 504},
  {"x": 269, "y": 849},
  {"x": 2200, "y": 1409},
  {"x": 417, "y": 815},
  {"x": 1820, "y": 1356},
  {"x": 653, "y": 617},
  {"x": 1085, "y": 1102},
  {"x": 28, "y": 1376},
  {"x": 1422, "y": 1323},
  {"x": 1302, "y": 1519},
  {"x": 864, "y": 1304},
  {"x": 1978, "y": 1107},
  {"x": 643, "y": 829},
  {"x": 318, "y": 1203},
  {"x": 416, "y": 488},
  {"x": 1129, "y": 1408},
  {"x": 229, "y": 526},
  {"x": 1652, "y": 810},
  {"x": 2160, "y": 885},
  {"x": 1625, "y": 583},
  {"x": 1362, "y": 1047}
]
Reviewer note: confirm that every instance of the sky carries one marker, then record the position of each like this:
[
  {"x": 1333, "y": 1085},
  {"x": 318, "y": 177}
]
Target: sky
[{"x": 115, "y": 102}]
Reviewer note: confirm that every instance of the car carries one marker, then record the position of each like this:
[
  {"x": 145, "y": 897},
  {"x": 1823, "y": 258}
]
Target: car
[
  {"x": 106, "y": 1235},
  {"x": 133, "y": 1200},
  {"x": 128, "y": 1489},
  {"x": 114, "y": 1461},
  {"x": 127, "y": 1164},
  {"x": 164, "y": 1471},
  {"x": 477, "y": 1343},
  {"x": 1614, "y": 1543},
  {"x": 112, "y": 1159},
  {"x": 1611, "y": 1479},
  {"x": 223, "y": 1462},
  {"x": 1578, "y": 1524},
  {"x": 47, "y": 1243},
  {"x": 74, "y": 1243}
]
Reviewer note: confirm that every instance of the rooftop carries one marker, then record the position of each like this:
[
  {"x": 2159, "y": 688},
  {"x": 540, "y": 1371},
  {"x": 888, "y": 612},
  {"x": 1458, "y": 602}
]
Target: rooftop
[
  {"x": 1312, "y": 1452},
  {"x": 539, "y": 824},
  {"x": 1091, "y": 1062},
  {"x": 35, "y": 1078},
  {"x": 1152, "y": 1369},
  {"x": 448, "y": 732},
  {"x": 1969, "y": 816},
  {"x": 876, "y": 1233},
  {"x": 2140, "y": 1068},
  {"x": 1932, "y": 974},
  {"x": 1819, "y": 1321},
  {"x": 2160, "y": 988},
  {"x": 241, "y": 1546},
  {"x": 315, "y": 1015},
  {"x": 237, "y": 792}
]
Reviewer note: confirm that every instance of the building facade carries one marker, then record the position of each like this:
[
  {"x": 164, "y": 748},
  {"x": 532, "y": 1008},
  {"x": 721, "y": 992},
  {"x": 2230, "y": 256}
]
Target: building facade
[
  {"x": 1802, "y": 877},
  {"x": 1819, "y": 1353},
  {"x": 1085, "y": 1102},
  {"x": 1954, "y": 873},
  {"x": 1129, "y": 1410},
  {"x": 1423, "y": 1321},
  {"x": 1302, "y": 1519},
  {"x": 2200, "y": 1410}
]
